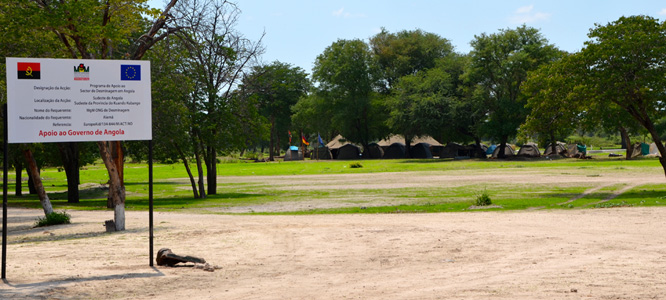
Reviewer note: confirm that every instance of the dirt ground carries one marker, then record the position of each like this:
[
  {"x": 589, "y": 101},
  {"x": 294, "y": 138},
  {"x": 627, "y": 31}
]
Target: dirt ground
[{"x": 547, "y": 254}]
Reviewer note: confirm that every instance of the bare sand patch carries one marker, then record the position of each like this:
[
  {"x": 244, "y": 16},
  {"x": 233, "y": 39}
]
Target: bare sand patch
[{"x": 560, "y": 254}]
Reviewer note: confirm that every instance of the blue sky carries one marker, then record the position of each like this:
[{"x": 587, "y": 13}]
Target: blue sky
[{"x": 299, "y": 30}]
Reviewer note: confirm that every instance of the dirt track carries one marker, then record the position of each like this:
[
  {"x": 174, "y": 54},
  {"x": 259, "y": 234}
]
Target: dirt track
[{"x": 562, "y": 254}]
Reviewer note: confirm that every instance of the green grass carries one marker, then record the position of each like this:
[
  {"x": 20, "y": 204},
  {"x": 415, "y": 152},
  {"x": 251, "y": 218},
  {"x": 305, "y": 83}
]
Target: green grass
[{"x": 173, "y": 191}]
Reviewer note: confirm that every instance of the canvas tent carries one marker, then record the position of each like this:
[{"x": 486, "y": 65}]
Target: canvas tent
[
  {"x": 508, "y": 151},
  {"x": 640, "y": 149},
  {"x": 395, "y": 150},
  {"x": 654, "y": 150},
  {"x": 335, "y": 144},
  {"x": 529, "y": 150},
  {"x": 420, "y": 150},
  {"x": 349, "y": 151},
  {"x": 452, "y": 150},
  {"x": 321, "y": 153},
  {"x": 560, "y": 147},
  {"x": 374, "y": 151},
  {"x": 293, "y": 154}
]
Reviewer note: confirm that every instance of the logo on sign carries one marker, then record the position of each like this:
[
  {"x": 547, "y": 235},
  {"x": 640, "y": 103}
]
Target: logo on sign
[
  {"x": 130, "y": 72},
  {"x": 81, "y": 72}
]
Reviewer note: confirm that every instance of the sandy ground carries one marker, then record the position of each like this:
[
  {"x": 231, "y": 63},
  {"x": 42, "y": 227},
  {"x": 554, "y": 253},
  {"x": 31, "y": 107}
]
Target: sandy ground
[{"x": 562, "y": 254}]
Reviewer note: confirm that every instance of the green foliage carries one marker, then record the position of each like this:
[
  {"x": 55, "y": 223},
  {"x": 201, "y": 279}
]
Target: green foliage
[
  {"x": 355, "y": 165},
  {"x": 54, "y": 218},
  {"x": 483, "y": 199}
]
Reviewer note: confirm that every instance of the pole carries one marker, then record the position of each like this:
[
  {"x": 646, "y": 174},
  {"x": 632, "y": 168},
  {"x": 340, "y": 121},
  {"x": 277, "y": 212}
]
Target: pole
[
  {"x": 4, "y": 196},
  {"x": 150, "y": 198}
]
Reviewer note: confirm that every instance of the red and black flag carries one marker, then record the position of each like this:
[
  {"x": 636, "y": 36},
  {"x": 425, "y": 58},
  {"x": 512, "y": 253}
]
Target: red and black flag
[{"x": 28, "y": 70}]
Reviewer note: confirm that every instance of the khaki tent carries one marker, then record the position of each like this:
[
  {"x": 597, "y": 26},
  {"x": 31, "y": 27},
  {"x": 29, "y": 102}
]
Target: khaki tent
[
  {"x": 560, "y": 147},
  {"x": 453, "y": 150},
  {"x": 396, "y": 150},
  {"x": 529, "y": 150},
  {"x": 349, "y": 151},
  {"x": 508, "y": 151},
  {"x": 293, "y": 154},
  {"x": 420, "y": 150},
  {"x": 397, "y": 138},
  {"x": 321, "y": 153},
  {"x": 654, "y": 150},
  {"x": 373, "y": 151}
]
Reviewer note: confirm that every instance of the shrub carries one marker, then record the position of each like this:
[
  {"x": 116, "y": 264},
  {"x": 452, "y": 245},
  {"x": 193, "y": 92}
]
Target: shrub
[
  {"x": 356, "y": 165},
  {"x": 54, "y": 218},
  {"x": 483, "y": 199}
]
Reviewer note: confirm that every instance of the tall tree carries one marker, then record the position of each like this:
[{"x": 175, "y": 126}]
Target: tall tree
[
  {"x": 500, "y": 63},
  {"x": 276, "y": 88},
  {"x": 625, "y": 64},
  {"x": 99, "y": 29},
  {"x": 219, "y": 56},
  {"x": 347, "y": 79}
]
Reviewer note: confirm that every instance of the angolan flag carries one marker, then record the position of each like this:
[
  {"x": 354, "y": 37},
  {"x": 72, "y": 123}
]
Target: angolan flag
[{"x": 28, "y": 70}]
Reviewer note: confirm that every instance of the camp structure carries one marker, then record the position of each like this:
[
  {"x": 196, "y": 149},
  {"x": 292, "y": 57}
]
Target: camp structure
[
  {"x": 374, "y": 151},
  {"x": 529, "y": 150},
  {"x": 508, "y": 151},
  {"x": 560, "y": 147},
  {"x": 395, "y": 151},
  {"x": 293, "y": 154},
  {"x": 435, "y": 146},
  {"x": 453, "y": 150},
  {"x": 349, "y": 151},
  {"x": 335, "y": 144},
  {"x": 640, "y": 149},
  {"x": 321, "y": 153},
  {"x": 420, "y": 150},
  {"x": 654, "y": 150}
]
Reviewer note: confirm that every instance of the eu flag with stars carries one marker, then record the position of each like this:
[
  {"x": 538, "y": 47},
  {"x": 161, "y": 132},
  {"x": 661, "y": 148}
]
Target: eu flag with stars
[{"x": 130, "y": 72}]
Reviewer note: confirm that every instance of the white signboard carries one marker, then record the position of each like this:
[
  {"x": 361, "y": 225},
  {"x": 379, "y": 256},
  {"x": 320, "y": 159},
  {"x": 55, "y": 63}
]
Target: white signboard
[{"x": 72, "y": 100}]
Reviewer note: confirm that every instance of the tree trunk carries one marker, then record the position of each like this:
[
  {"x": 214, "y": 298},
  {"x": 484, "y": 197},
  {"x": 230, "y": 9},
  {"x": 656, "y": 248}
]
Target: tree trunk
[
  {"x": 502, "y": 147},
  {"x": 202, "y": 195},
  {"x": 31, "y": 184},
  {"x": 656, "y": 138},
  {"x": 271, "y": 143},
  {"x": 627, "y": 139},
  {"x": 33, "y": 171},
  {"x": 189, "y": 172},
  {"x": 408, "y": 146},
  {"x": 553, "y": 143},
  {"x": 18, "y": 186},
  {"x": 478, "y": 153},
  {"x": 211, "y": 170},
  {"x": 116, "y": 188},
  {"x": 69, "y": 152}
]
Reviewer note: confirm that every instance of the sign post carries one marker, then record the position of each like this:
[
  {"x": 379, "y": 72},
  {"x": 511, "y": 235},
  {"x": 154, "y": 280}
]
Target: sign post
[{"x": 76, "y": 100}]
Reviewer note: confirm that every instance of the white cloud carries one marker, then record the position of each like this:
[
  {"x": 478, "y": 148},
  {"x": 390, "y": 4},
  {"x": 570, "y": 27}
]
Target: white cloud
[
  {"x": 341, "y": 13},
  {"x": 526, "y": 14},
  {"x": 663, "y": 12},
  {"x": 525, "y": 9}
]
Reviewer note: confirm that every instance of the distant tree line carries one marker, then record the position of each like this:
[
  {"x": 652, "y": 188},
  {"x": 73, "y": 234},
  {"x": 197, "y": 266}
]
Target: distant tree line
[{"x": 212, "y": 97}]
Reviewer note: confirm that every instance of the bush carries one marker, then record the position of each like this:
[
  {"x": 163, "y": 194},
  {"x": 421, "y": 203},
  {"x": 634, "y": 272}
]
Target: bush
[
  {"x": 54, "y": 218},
  {"x": 483, "y": 199},
  {"x": 356, "y": 165}
]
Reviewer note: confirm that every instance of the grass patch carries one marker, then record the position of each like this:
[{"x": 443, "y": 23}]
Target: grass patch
[{"x": 54, "y": 218}]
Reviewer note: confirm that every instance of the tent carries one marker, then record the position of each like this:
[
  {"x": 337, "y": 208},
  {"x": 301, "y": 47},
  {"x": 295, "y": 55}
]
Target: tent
[
  {"x": 452, "y": 150},
  {"x": 293, "y": 154},
  {"x": 491, "y": 149},
  {"x": 420, "y": 150},
  {"x": 529, "y": 150},
  {"x": 654, "y": 150},
  {"x": 560, "y": 147},
  {"x": 396, "y": 150},
  {"x": 335, "y": 144},
  {"x": 397, "y": 138},
  {"x": 640, "y": 149},
  {"x": 321, "y": 153},
  {"x": 508, "y": 151},
  {"x": 349, "y": 151},
  {"x": 373, "y": 151}
]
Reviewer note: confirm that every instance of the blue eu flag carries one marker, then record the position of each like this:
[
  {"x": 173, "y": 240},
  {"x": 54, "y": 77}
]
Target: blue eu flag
[{"x": 130, "y": 72}]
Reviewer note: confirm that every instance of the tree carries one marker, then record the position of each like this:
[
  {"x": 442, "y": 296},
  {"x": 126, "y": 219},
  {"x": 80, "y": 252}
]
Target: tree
[
  {"x": 625, "y": 65},
  {"x": 98, "y": 29},
  {"x": 555, "y": 100},
  {"x": 219, "y": 55},
  {"x": 347, "y": 79},
  {"x": 499, "y": 66},
  {"x": 276, "y": 88},
  {"x": 406, "y": 53}
]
